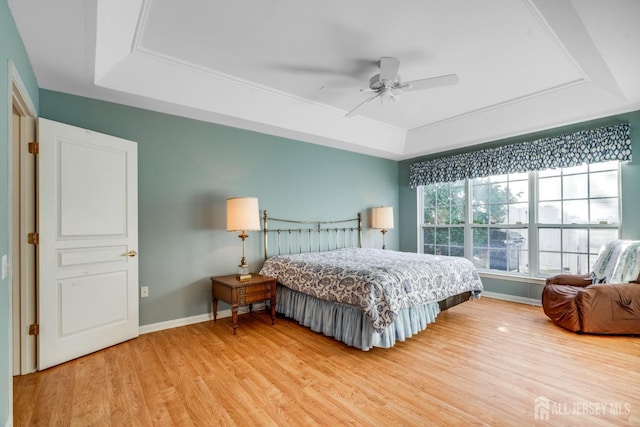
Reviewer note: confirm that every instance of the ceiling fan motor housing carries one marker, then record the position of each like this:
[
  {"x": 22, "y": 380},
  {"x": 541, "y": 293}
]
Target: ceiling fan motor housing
[{"x": 375, "y": 83}]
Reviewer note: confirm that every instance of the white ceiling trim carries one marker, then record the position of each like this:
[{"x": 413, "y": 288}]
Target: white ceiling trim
[
  {"x": 558, "y": 62},
  {"x": 125, "y": 65},
  {"x": 499, "y": 105},
  {"x": 593, "y": 57},
  {"x": 116, "y": 29},
  {"x": 531, "y": 115},
  {"x": 233, "y": 80},
  {"x": 564, "y": 26},
  {"x": 165, "y": 80},
  {"x": 567, "y": 29},
  {"x": 298, "y": 114}
]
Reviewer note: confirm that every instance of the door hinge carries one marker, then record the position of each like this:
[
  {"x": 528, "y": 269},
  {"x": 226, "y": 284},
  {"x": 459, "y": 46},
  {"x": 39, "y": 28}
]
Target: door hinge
[
  {"x": 34, "y": 148},
  {"x": 33, "y": 238},
  {"x": 34, "y": 329}
]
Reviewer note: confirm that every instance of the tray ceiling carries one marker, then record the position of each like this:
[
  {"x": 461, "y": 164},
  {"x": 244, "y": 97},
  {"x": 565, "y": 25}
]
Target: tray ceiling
[{"x": 293, "y": 69}]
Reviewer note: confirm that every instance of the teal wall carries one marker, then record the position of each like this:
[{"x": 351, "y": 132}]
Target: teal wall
[
  {"x": 11, "y": 49},
  {"x": 630, "y": 197},
  {"x": 187, "y": 169}
]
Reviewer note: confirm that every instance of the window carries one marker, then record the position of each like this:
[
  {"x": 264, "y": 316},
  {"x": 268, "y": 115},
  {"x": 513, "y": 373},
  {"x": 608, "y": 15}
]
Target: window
[
  {"x": 444, "y": 219},
  {"x": 500, "y": 209},
  {"x": 533, "y": 223},
  {"x": 578, "y": 211}
]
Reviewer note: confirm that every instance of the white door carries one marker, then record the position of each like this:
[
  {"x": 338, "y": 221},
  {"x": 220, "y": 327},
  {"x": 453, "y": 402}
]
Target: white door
[{"x": 88, "y": 235}]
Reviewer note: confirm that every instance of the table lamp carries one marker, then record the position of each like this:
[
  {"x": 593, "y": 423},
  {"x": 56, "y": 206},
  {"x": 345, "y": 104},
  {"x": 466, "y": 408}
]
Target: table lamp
[
  {"x": 382, "y": 218},
  {"x": 243, "y": 215}
]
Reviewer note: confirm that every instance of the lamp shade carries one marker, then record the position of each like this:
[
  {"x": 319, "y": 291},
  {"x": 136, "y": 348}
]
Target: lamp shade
[
  {"x": 243, "y": 214},
  {"x": 382, "y": 217}
]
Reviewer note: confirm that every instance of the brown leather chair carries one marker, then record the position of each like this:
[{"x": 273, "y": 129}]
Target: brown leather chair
[
  {"x": 607, "y": 301},
  {"x": 577, "y": 304}
]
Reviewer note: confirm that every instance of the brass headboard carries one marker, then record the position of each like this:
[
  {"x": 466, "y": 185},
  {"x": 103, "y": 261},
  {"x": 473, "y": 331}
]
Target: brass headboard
[{"x": 311, "y": 236}]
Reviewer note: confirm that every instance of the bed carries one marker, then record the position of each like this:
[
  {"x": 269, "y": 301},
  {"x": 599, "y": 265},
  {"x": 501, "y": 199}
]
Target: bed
[{"x": 361, "y": 296}]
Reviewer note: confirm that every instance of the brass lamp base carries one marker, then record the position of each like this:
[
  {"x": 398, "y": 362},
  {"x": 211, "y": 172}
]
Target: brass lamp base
[{"x": 383, "y": 231}]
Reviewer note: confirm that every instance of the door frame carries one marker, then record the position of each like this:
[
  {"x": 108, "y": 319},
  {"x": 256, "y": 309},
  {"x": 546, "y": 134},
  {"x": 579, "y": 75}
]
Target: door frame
[{"x": 20, "y": 101}]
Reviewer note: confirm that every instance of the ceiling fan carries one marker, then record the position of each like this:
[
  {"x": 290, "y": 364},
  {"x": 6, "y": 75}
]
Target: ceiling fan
[{"x": 387, "y": 83}]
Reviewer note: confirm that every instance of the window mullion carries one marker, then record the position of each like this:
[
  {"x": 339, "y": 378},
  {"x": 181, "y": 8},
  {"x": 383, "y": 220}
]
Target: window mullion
[
  {"x": 420, "y": 214},
  {"x": 620, "y": 221},
  {"x": 534, "y": 260},
  {"x": 468, "y": 220}
]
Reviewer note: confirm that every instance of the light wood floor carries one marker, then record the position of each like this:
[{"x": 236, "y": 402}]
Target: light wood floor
[{"x": 485, "y": 362}]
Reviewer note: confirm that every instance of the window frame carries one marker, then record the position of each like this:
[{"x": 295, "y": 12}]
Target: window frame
[{"x": 532, "y": 226}]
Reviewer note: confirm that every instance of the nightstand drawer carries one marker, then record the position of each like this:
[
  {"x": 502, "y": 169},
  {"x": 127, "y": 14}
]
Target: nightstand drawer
[
  {"x": 262, "y": 289},
  {"x": 258, "y": 295}
]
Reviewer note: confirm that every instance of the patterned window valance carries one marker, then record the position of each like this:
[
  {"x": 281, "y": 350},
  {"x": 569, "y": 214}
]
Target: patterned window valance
[{"x": 590, "y": 146}]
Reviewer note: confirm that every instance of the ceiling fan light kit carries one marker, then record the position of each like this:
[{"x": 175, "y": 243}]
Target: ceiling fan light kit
[{"x": 387, "y": 82}]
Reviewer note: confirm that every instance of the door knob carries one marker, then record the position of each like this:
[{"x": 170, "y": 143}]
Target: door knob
[{"x": 131, "y": 253}]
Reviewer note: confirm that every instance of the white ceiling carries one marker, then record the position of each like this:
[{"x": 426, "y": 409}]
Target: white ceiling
[{"x": 523, "y": 65}]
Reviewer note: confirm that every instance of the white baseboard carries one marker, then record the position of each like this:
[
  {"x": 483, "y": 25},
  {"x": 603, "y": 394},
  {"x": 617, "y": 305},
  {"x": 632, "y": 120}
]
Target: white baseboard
[
  {"x": 512, "y": 298},
  {"x": 160, "y": 326}
]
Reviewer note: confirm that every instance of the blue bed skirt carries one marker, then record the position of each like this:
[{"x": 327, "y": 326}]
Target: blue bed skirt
[{"x": 350, "y": 324}]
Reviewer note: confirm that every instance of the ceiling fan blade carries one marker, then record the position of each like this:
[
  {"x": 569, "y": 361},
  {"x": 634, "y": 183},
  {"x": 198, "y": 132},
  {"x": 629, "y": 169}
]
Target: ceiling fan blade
[
  {"x": 389, "y": 68},
  {"x": 446, "y": 80},
  {"x": 371, "y": 98},
  {"x": 339, "y": 88}
]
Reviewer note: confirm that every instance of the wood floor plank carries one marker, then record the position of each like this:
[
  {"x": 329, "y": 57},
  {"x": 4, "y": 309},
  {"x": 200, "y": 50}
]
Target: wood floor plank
[
  {"x": 125, "y": 393},
  {"x": 485, "y": 362},
  {"x": 53, "y": 403},
  {"x": 90, "y": 403},
  {"x": 152, "y": 377},
  {"x": 26, "y": 399}
]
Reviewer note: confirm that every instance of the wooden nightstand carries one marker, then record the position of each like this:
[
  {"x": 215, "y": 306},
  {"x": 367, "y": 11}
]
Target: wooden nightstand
[{"x": 236, "y": 293}]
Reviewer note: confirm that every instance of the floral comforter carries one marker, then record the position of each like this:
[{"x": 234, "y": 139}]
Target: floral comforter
[{"x": 381, "y": 282}]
